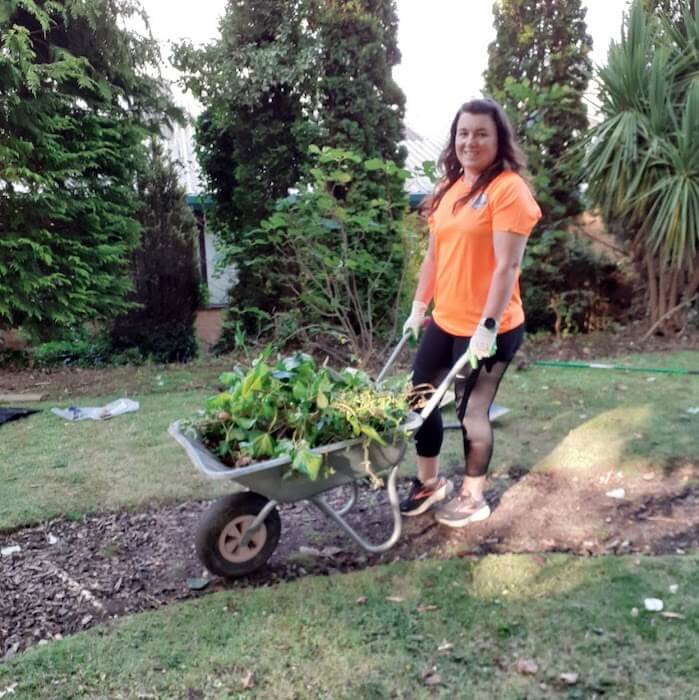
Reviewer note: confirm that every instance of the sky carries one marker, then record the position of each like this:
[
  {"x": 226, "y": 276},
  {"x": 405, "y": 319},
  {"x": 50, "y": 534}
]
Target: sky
[{"x": 444, "y": 47}]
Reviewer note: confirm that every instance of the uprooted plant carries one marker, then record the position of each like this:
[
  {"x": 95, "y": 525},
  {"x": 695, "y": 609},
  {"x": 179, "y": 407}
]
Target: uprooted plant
[{"x": 292, "y": 406}]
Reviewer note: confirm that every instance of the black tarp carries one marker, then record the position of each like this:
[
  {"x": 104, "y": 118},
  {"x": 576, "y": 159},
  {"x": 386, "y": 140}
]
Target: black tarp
[{"x": 8, "y": 414}]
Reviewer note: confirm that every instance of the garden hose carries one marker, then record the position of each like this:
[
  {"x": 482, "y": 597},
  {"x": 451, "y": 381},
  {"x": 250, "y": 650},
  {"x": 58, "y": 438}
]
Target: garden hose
[{"x": 624, "y": 368}]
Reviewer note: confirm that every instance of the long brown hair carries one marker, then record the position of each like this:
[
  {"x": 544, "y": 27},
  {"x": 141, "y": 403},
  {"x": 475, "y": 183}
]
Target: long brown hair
[{"x": 508, "y": 156}]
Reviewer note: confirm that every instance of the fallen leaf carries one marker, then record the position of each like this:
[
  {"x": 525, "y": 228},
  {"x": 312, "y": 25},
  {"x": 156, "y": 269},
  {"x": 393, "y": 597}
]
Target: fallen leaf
[
  {"x": 9, "y": 551},
  {"x": 331, "y": 551},
  {"x": 248, "y": 680},
  {"x": 361, "y": 600},
  {"x": 653, "y": 604},
  {"x": 431, "y": 678},
  {"x": 674, "y": 588},
  {"x": 427, "y": 608},
  {"x": 526, "y": 666},
  {"x": 634, "y": 612},
  {"x": 311, "y": 551},
  {"x": 395, "y": 599},
  {"x": 52, "y": 539},
  {"x": 616, "y": 493},
  {"x": 672, "y": 615},
  {"x": 197, "y": 584},
  {"x": 568, "y": 678},
  {"x": 445, "y": 646}
]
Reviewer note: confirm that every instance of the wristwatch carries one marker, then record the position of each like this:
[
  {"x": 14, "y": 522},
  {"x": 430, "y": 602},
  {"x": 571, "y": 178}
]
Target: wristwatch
[{"x": 489, "y": 323}]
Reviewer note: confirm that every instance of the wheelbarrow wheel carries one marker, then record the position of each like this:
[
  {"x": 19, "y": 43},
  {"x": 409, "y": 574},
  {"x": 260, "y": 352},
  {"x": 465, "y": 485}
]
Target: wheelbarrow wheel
[{"x": 219, "y": 535}]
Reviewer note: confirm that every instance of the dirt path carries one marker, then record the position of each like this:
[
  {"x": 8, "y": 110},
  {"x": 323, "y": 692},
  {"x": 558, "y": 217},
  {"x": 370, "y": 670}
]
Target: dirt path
[{"x": 69, "y": 576}]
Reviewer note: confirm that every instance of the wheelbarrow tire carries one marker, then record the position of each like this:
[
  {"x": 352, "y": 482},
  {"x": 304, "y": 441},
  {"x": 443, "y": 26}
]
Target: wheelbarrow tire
[{"x": 224, "y": 523}]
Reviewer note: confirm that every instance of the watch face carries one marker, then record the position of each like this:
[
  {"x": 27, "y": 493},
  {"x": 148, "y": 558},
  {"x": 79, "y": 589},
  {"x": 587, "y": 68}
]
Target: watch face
[{"x": 489, "y": 323}]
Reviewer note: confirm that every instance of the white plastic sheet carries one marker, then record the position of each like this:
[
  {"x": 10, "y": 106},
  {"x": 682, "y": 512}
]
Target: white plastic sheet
[{"x": 115, "y": 408}]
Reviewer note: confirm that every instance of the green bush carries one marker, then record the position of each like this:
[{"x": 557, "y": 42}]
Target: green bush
[
  {"x": 76, "y": 348},
  {"x": 344, "y": 244},
  {"x": 568, "y": 288},
  {"x": 13, "y": 359},
  {"x": 161, "y": 343}
]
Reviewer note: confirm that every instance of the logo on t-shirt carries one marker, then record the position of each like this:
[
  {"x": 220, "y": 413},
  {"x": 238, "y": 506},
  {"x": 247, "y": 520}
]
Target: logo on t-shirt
[{"x": 480, "y": 201}]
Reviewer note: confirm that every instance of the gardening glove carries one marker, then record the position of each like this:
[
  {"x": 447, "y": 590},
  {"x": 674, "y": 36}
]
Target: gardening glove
[
  {"x": 414, "y": 321},
  {"x": 483, "y": 342}
]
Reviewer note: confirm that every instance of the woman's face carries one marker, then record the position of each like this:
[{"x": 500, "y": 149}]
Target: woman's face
[{"x": 476, "y": 142}]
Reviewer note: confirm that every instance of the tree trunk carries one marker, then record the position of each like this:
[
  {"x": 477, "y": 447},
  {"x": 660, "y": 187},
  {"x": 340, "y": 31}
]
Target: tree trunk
[{"x": 652, "y": 289}]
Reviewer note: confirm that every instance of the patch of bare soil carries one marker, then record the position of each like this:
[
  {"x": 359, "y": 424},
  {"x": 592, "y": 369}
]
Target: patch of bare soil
[
  {"x": 607, "y": 344},
  {"x": 68, "y": 576}
]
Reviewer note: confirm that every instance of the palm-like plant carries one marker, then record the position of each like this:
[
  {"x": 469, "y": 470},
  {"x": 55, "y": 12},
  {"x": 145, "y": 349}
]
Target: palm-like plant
[{"x": 642, "y": 160}]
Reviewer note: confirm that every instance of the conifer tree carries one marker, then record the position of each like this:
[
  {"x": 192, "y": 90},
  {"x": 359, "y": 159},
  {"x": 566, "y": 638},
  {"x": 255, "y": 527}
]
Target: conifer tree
[
  {"x": 539, "y": 69},
  {"x": 163, "y": 269},
  {"x": 75, "y": 105},
  {"x": 360, "y": 107}
]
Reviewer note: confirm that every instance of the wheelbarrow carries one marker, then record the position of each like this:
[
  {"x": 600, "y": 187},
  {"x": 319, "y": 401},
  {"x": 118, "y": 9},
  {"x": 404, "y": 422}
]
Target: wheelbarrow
[{"x": 240, "y": 531}]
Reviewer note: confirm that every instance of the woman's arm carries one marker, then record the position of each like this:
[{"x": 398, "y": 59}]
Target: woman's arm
[
  {"x": 426, "y": 277},
  {"x": 509, "y": 250},
  {"x": 423, "y": 293}
]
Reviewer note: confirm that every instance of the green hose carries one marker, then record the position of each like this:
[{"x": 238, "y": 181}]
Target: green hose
[{"x": 599, "y": 365}]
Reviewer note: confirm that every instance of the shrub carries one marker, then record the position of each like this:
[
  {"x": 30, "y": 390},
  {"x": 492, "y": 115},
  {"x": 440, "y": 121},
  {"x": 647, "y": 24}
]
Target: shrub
[
  {"x": 163, "y": 270},
  {"x": 568, "y": 288}
]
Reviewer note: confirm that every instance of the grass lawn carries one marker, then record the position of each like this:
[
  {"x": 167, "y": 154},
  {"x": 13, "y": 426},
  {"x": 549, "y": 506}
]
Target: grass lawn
[
  {"x": 453, "y": 629},
  {"x": 561, "y": 419},
  {"x": 50, "y": 467}
]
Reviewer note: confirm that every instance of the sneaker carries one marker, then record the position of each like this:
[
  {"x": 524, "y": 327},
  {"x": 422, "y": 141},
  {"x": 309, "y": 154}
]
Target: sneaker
[
  {"x": 422, "y": 497},
  {"x": 462, "y": 510}
]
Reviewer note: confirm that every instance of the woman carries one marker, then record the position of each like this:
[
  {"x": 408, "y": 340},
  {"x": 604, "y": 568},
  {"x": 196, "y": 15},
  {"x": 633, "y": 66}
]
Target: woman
[{"x": 480, "y": 217}]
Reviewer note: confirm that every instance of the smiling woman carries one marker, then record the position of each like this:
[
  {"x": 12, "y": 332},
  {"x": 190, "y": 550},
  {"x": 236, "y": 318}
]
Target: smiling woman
[{"x": 480, "y": 217}]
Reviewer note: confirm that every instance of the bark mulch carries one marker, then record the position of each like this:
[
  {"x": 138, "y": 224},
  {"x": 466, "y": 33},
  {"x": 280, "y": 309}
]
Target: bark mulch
[{"x": 71, "y": 575}]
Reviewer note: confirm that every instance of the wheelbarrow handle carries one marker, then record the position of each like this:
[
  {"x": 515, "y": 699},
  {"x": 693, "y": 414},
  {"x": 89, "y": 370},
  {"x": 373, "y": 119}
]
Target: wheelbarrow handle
[
  {"x": 436, "y": 398},
  {"x": 392, "y": 358}
]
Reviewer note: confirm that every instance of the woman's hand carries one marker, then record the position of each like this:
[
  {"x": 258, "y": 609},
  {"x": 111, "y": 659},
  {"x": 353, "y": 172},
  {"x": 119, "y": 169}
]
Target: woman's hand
[
  {"x": 483, "y": 342},
  {"x": 414, "y": 321}
]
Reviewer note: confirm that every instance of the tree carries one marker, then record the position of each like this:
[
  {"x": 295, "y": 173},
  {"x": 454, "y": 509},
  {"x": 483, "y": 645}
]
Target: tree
[
  {"x": 673, "y": 10},
  {"x": 163, "y": 269},
  {"x": 75, "y": 106},
  {"x": 252, "y": 136},
  {"x": 539, "y": 69},
  {"x": 360, "y": 106},
  {"x": 285, "y": 75},
  {"x": 643, "y": 158}
]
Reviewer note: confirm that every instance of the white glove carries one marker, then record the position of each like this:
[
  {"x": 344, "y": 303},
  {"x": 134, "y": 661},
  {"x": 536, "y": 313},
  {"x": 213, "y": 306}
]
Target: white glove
[
  {"x": 414, "y": 321},
  {"x": 483, "y": 342}
]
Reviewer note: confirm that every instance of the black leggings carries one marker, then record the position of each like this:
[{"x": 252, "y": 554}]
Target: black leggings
[{"x": 474, "y": 389}]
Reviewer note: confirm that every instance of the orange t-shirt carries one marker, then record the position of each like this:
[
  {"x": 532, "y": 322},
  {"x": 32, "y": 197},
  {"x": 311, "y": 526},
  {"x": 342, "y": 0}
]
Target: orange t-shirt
[{"x": 464, "y": 255}]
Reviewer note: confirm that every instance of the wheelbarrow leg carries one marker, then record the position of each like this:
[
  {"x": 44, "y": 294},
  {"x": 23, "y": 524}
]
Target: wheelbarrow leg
[
  {"x": 261, "y": 517},
  {"x": 325, "y": 508},
  {"x": 347, "y": 507}
]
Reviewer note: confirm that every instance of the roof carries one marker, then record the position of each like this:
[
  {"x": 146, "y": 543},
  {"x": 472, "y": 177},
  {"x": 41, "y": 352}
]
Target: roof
[
  {"x": 180, "y": 141},
  {"x": 420, "y": 149}
]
